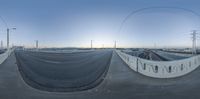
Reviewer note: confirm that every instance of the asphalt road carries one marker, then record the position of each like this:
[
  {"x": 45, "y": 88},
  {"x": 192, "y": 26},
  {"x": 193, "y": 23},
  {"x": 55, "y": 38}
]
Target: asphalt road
[
  {"x": 63, "y": 71},
  {"x": 171, "y": 56},
  {"x": 150, "y": 55},
  {"x": 121, "y": 82}
]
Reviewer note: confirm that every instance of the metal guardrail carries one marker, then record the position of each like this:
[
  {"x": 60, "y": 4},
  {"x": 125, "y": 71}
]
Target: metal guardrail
[{"x": 161, "y": 69}]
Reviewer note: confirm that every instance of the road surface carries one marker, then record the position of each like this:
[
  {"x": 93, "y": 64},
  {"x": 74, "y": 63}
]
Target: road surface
[
  {"x": 63, "y": 71},
  {"x": 171, "y": 56},
  {"x": 150, "y": 55},
  {"x": 121, "y": 82}
]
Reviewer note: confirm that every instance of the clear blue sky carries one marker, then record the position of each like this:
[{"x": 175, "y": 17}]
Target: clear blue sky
[{"x": 73, "y": 23}]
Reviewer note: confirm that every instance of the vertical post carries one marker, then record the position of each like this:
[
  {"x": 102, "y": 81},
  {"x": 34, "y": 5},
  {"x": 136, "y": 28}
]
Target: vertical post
[
  {"x": 37, "y": 44},
  {"x": 8, "y": 38},
  {"x": 1, "y": 44},
  {"x": 115, "y": 45},
  {"x": 91, "y": 44},
  {"x": 194, "y": 34}
]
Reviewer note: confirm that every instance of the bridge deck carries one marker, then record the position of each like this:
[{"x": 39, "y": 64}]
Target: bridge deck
[{"x": 120, "y": 83}]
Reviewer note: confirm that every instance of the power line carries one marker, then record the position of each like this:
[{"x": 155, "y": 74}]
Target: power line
[{"x": 4, "y": 21}]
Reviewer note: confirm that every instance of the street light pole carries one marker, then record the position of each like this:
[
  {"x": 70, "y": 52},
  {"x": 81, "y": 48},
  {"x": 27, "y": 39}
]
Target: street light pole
[
  {"x": 36, "y": 44},
  {"x": 194, "y": 38},
  {"x": 8, "y": 30},
  {"x": 8, "y": 36},
  {"x": 1, "y": 44},
  {"x": 91, "y": 44},
  {"x": 115, "y": 45}
]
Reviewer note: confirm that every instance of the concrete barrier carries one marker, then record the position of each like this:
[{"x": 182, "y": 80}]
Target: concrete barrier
[
  {"x": 161, "y": 69},
  {"x": 5, "y": 55}
]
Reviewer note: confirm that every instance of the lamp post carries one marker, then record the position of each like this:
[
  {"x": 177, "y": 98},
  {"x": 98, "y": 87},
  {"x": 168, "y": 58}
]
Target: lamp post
[
  {"x": 8, "y": 30},
  {"x": 1, "y": 44},
  {"x": 36, "y": 44},
  {"x": 8, "y": 36},
  {"x": 115, "y": 45},
  {"x": 91, "y": 44}
]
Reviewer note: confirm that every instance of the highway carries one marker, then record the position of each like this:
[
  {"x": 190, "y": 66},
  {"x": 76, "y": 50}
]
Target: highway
[
  {"x": 172, "y": 56},
  {"x": 63, "y": 71},
  {"x": 121, "y": 82},
  {"x": 157, "y": 55},
  {"x": 150, "y": 55}
]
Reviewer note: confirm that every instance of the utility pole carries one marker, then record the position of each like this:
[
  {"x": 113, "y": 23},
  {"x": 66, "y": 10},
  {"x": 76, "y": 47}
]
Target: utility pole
[
  {"x": 91, "y": 44},
  {"x": 115, "y": 46},
  {"x": 36, "y": 44},
  {"x": 8, "y": 38},
  {"x": 8, "y": 30},
  {"x": 1, "y": 44},
  {"x": 194, "y": 41}
]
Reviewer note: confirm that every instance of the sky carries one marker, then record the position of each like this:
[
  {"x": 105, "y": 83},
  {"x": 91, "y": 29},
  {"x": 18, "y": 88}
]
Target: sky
[{"x": 74, "y": 23}]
